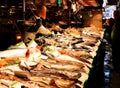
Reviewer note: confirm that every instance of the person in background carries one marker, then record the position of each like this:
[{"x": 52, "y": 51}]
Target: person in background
[
  {"x": 108, "y": 26},
  {"x": 115, "y": 36},
  {"x": 39, "y": 13},
  {"x": 34, "y": 23}
]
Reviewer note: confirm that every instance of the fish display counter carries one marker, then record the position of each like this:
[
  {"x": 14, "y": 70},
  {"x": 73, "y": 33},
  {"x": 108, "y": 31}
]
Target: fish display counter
[{"x": 62, "y": 59}]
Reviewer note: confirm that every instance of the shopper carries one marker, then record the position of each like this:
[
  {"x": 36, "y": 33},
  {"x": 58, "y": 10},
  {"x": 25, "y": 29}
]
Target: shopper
[
  {"x": 116, "y": 42},
  {"x": 108, "y": 26}
]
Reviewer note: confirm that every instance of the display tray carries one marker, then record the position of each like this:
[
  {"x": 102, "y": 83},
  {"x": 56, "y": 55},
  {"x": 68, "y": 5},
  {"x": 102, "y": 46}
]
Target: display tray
[{"x": 61, "y": 60}]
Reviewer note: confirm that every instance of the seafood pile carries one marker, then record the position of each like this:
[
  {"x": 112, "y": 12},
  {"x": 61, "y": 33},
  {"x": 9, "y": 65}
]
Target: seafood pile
[{"x": 60, "y": 60}]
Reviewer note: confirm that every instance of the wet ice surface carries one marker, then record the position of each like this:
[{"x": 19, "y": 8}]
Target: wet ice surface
[
  {"x": 107, "y": 66},
  {"x": 100, "y": 74}
]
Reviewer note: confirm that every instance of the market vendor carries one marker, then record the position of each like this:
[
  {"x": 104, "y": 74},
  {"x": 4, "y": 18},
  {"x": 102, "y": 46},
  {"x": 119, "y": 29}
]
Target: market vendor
[{"x": 34, "y": 24}]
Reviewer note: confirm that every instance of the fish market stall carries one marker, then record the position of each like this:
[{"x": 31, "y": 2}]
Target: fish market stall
[{"x": 57, "y": 49}]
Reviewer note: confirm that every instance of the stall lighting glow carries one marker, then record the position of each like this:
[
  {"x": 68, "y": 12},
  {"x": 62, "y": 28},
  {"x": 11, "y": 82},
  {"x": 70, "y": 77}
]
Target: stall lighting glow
[{"x": 18, "y": 37}]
